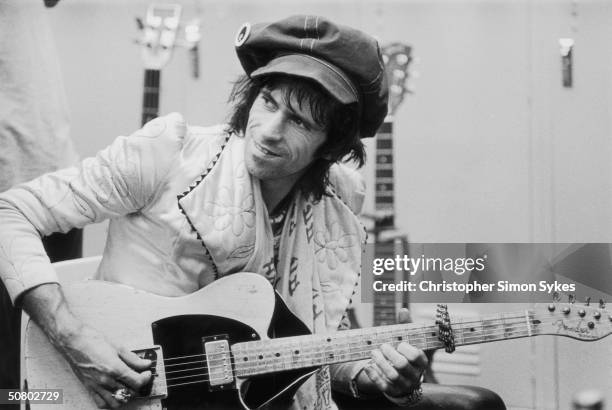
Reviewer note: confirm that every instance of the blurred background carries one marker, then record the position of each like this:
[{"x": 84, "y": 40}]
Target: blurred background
[{"x": 493, "y": 142}]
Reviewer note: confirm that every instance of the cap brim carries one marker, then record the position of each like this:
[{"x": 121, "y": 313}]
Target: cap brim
[{"x": 327, "y": 75}]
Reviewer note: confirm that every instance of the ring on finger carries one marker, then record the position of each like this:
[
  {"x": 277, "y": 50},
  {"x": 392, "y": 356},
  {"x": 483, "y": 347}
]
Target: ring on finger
[{"x": 122, "y": 395}]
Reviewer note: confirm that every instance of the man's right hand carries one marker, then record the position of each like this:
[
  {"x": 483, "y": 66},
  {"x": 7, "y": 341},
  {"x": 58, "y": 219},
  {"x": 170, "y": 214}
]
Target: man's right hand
[{"x": 101, "y": 367}]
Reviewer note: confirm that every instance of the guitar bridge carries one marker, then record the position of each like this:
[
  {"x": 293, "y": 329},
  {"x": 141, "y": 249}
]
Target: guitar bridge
[
  {"x": 157, "y": 388},
  {"x": 219, "y": 362}
]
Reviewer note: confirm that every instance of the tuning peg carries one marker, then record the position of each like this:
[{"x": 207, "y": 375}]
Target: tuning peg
[
  {"x": 571, "y": 298},
  {"x": 402, "y": 59},
  {"x": 587, "y": 302},
  {"x": 602, "y": 304},
  {"x": 139, "y": 23}
]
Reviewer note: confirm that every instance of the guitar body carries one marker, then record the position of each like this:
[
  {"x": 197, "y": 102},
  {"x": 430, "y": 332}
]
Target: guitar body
[{"x": 241, "y": 307}]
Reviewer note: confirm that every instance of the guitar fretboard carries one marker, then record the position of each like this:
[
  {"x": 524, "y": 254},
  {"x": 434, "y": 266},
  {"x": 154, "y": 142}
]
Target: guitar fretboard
[
  {"x": 268, "y": 356},
  {"x": 384, "y": 302},
  {"x": 384, "y": 200},
  {"x": 150, "y": 95}
]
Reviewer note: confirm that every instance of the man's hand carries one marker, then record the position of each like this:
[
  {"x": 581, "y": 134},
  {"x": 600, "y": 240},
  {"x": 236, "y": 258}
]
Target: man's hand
[
  {"x": 104, "y": 369},
  {"x": 101, "y": 367},
  {"x": 394, "y": 371}
]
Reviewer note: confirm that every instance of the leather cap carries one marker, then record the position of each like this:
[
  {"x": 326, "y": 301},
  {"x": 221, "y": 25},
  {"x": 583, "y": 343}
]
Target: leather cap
[{"x": 344, "y": 61}]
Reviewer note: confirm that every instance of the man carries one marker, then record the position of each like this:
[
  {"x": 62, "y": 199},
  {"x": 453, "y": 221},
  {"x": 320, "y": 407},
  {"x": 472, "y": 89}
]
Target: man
[{"x": 189, "y": 205}]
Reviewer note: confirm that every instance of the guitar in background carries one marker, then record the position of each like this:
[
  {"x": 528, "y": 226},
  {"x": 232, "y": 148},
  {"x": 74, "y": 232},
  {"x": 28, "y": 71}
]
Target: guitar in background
[
  {"x": 158, "y": 38},
  {"x": 388, "y": 241}
]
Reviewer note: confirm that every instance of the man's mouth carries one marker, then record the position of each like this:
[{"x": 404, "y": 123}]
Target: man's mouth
[{"x": 265, "y": 150}]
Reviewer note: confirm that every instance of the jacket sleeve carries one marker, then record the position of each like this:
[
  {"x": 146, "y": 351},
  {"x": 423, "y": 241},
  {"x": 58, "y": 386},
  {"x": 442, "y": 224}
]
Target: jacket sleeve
[
  {"x": 344, "y": 375},
  {"x": 121, "y": 179}
]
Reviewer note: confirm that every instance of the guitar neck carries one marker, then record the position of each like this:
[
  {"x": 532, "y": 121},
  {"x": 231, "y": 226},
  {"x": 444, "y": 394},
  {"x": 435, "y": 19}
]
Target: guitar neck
[
  {"x": 150, "y": 95},
  {"x": 253, "y": 358},
  {"x": 384, "y": 203},
  {"x": 384, "y": 185}
]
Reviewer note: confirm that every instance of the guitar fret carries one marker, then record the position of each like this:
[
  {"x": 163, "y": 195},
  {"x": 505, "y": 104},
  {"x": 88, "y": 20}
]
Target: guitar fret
[
  {"x": 384, "y": 194},
  {"x": 384, "y": 151},
  {"x": 385, "y": 180},
  {"x": 384, "y": 166},
  {"x": 528, "y": 322}
]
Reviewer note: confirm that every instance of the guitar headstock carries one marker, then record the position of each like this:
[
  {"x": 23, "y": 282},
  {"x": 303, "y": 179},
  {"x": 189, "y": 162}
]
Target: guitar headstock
[
  {"x": 397, "y": 58},
  {"x": 158, "y": 34},
  {"x": 582, "y": 321}
]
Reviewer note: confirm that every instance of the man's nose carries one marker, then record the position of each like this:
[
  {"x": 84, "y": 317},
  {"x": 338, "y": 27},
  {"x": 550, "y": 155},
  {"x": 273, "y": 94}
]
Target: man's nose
[{"x": 273, "y": 127}]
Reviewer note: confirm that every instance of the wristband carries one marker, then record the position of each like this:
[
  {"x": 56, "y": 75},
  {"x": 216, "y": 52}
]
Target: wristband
[
  {"x": 406, "y": 400},
  {"x": 412, "y": 397}
]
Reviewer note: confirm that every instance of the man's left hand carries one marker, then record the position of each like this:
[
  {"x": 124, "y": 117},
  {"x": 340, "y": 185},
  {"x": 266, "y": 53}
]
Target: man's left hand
[{"x": 396, "y": 371}]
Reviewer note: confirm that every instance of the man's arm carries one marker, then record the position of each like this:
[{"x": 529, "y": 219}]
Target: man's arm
[
  {"x": 120, "y": 180},
  {"x": 100, "y": 366}
]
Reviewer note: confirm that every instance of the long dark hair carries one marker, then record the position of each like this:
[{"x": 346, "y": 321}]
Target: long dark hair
[{"x": 341, "y": 123}]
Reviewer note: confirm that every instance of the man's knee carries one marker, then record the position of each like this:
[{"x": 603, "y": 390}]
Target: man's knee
[
  {"x": 479, "y": 398},
  {"x": 449, "y": 397}
]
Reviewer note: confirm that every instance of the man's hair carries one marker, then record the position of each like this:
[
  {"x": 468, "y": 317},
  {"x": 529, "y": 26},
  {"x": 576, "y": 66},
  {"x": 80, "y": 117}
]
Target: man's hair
[{"x": 340, "y": 122}]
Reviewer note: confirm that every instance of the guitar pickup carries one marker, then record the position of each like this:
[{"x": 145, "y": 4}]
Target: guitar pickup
[
  {"x": 219, "y": 362},
  {"x": 157, "y": 388}
]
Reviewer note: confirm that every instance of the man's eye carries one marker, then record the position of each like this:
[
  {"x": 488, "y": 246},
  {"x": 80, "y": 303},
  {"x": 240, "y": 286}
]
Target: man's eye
[
  {"x": 299, "y": 122},
  {"x": 268, "y": 102}
]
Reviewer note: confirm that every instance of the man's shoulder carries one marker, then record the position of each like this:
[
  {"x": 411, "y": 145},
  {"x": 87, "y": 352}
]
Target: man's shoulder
[
  {"x": 348, "y": 184},
  {"x": 174, "y": 125},
  {"x": 202, "y": 141},
  {"x": 193, "y": 139}
]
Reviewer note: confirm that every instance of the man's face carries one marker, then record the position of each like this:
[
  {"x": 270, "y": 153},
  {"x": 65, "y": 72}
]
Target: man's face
[{"x": 280, "y": 141}]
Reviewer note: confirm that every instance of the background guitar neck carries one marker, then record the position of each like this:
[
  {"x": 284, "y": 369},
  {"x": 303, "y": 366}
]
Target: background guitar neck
[
  {"x": 150, "y": 95},
  {"x": 389, "y": 242},
  {"x": 385, "y": 303},
  {"x": 384, "y": 196}
]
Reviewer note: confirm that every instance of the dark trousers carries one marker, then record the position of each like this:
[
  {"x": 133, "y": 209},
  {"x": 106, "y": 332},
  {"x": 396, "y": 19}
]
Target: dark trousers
[
  {"x": 59, "y": 247},
  {"x": 435, "y": 397}
]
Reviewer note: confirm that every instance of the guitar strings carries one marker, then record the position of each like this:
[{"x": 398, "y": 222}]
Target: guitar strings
[
  {"x": 462, "y": 325},
  {"x": 475, "y": 335},
  {"x": 516, "y": 329},
  {"x": 204, "y": 374}
]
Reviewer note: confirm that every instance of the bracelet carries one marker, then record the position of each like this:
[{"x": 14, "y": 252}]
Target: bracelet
[
  {"x": 406, "y": 400},
  {"x": 410, "y": 398}
]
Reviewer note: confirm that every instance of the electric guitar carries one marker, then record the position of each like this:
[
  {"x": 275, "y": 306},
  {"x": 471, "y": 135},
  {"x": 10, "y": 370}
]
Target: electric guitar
[
  {"x": 388, "y": 241},
  {"x": 235, "y": 344},
  {"x": 158, "y": 37}
]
